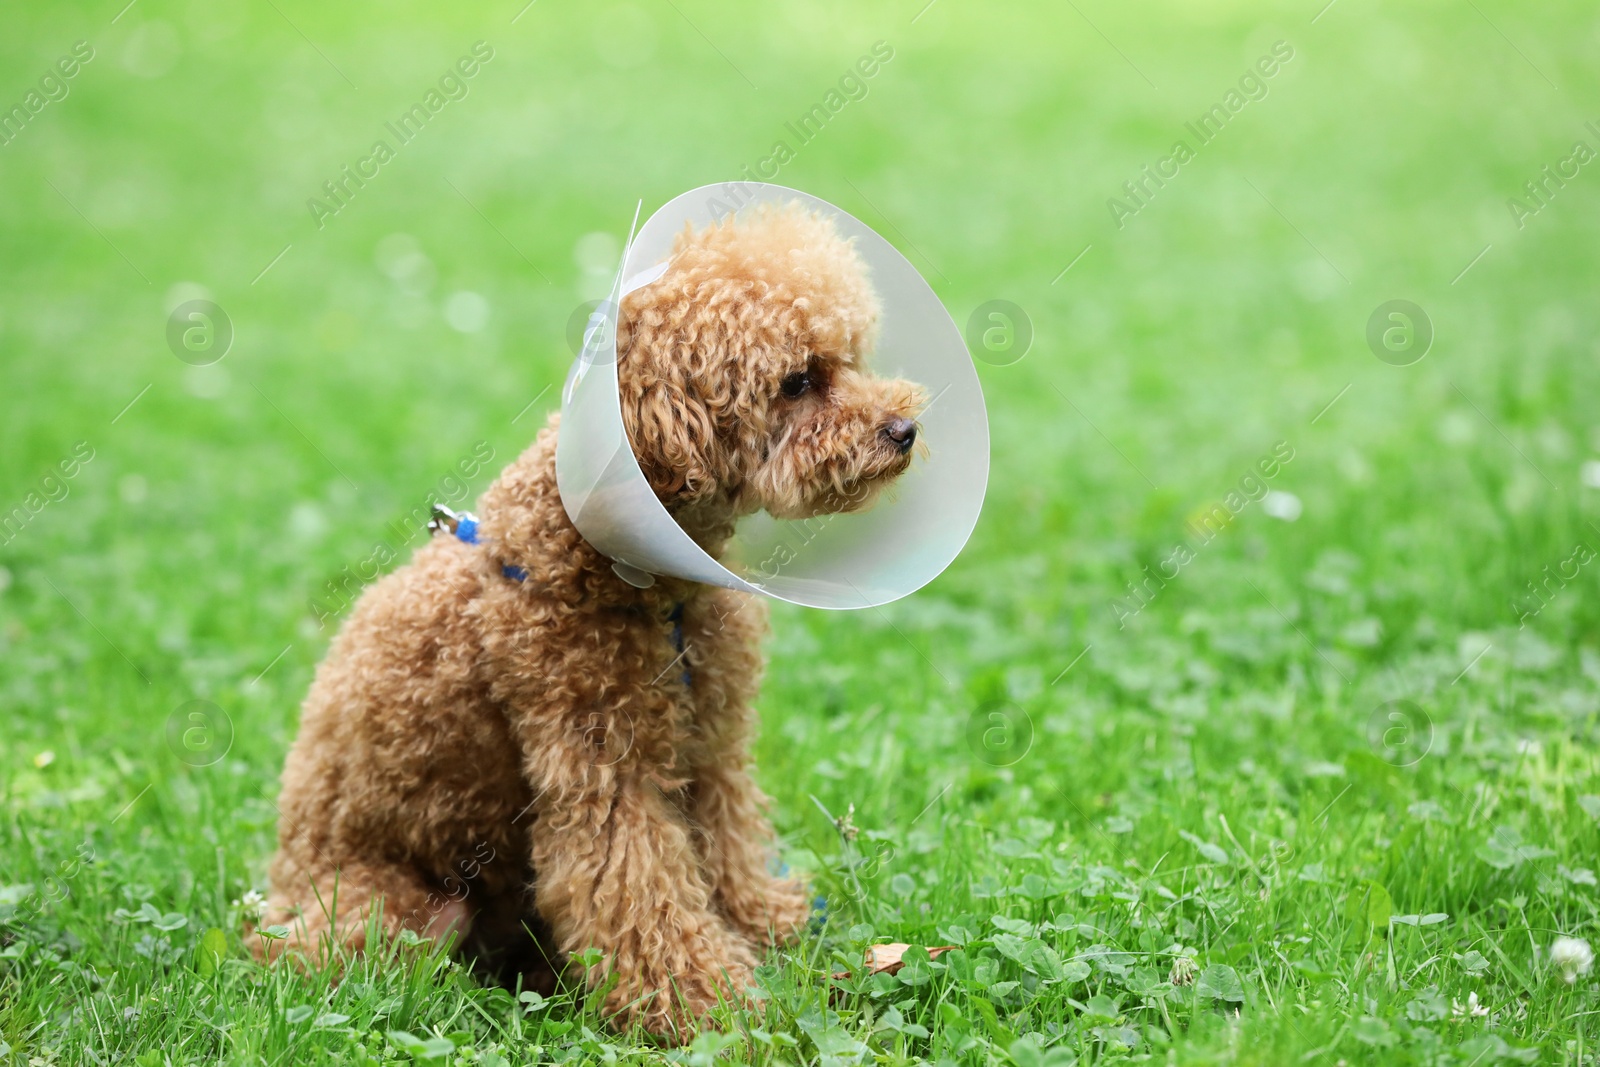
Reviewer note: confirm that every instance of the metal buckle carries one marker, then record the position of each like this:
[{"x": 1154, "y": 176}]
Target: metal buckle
[{"x": 443, "y": 519}]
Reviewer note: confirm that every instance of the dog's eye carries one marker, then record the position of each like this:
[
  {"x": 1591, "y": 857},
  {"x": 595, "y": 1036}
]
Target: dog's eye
[{"x": 796, "y": 384}]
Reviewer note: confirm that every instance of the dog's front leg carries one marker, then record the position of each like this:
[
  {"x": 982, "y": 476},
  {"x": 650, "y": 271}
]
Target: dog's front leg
[
  {"x": 736, "y": 842},
  {"x": 616, "y": 870},
  {"x": 726, "y": 807}
]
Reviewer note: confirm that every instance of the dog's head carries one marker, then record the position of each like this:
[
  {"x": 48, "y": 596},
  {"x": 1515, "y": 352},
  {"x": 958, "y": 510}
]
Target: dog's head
[{"x": 743, "y": 375}]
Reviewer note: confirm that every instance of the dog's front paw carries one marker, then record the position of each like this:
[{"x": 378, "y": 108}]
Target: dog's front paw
[
  {"x": 670, "y": 998},
  {"x": 770, "y": 913}
]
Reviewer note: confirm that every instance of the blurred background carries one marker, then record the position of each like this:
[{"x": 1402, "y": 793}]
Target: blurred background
[
  {"x": 376, "y": 341},
  {"x": 1168, "y": 321}
]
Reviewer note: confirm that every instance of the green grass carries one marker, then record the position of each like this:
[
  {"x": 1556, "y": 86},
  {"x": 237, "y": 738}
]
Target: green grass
[{"x": 1216, "y": 781}]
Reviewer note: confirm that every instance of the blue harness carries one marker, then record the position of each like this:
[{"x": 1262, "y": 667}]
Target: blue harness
[{"x": 464, "y": 525}]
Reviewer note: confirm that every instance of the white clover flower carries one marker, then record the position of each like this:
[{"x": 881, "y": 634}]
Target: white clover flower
[
  {"x": 251, "y": 905},
  {"x": 1470, "y": 1010},
  {"x": 1184, "y": 970},
  {"x": 1572, "y": 956}
]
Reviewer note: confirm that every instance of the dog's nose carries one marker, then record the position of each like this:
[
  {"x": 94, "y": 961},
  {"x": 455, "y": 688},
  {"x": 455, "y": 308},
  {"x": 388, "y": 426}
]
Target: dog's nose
[{"x": 903, "y": 432}]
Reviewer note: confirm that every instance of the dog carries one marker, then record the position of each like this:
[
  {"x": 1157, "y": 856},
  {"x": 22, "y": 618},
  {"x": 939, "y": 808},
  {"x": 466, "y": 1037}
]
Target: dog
[{"x": 509, "y": 744}]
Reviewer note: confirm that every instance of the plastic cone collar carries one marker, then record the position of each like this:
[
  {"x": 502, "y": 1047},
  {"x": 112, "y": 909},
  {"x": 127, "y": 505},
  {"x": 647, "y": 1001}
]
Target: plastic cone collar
[{"x": 858, "y": 560}]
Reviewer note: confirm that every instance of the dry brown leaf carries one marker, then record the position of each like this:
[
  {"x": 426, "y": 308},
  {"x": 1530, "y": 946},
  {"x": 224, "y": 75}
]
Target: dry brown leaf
[{"x": 887, "y": 959}]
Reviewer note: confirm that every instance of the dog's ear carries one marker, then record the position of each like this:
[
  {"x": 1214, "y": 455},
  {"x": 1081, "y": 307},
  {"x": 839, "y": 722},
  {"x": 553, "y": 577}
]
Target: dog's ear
[
  {"x": 671, "y": 433},
  {"x": 662, "y": 376}
]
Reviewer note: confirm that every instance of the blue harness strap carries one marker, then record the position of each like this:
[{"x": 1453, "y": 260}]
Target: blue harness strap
[
  {"x": 676, "y": 618},
  {"x": 464, "y": 526}
]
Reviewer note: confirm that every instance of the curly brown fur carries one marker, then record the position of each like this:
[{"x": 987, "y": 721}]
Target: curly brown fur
[{"x": 523, "y": 762}]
